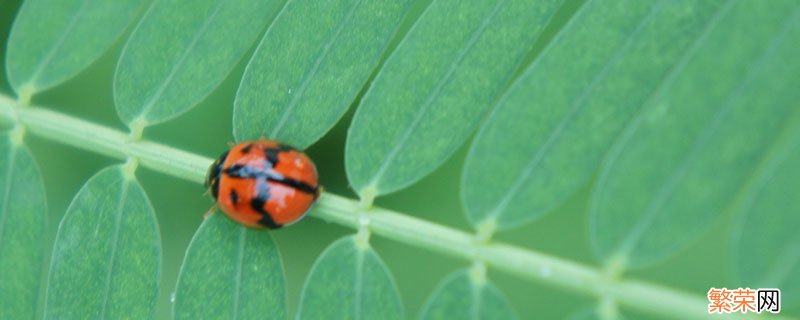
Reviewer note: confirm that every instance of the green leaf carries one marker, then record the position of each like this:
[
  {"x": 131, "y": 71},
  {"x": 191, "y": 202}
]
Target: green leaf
[
  {"x": 680, "y": 162},
  {"x": 23, "y": 218},
  {"x": 309, "y": 67},
  {"x": 180, "y": 52},
  {"x": 435, "y": 87},
  {"x": 549, "y": 132},
  {"x": 766, "y": 245},
  {"x": 107, "y": 255},
  {"x": 350, "y": 281},
  {"x": 231, "y": 272},
  {"x": 462, "y": 296},
  {"x": 53, "y": 40}
]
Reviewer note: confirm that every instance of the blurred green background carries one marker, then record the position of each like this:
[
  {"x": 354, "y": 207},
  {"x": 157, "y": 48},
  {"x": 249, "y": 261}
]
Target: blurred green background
[{"x": 205, "y": 130}]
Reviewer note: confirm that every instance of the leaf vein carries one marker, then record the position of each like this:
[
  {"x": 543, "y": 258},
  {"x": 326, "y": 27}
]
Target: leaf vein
[
  {"x": 112, "y": 255},
  {"x": 578, "y": 105},
  {"x": 616, "y": 150},
  {"x": 314, "y": 69},
  {"x": 179, "y": 63},
  {"x": 668, "y": 188},
  {"x": 358, "y": 281},
  {"x": 237, "y": 282},
  {"x": 12, "y": 157},
  {"x": 425, "y": 107},
  {"x": 59, "y": 42},
  {"x": 475, "y": 294}
]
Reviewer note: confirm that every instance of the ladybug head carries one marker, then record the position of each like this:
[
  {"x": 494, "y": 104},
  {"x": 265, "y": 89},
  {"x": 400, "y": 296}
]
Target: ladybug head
[{"x": 214, "y": 172}]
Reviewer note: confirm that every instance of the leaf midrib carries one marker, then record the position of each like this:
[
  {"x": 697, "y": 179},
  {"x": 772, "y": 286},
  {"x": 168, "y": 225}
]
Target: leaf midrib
[
  {"x": 577, "y": 106},
  {"x": 762, "y": 176},
  {"x": 667, "y": 189},
  {"x": 310, "y": 73},
  {"x": 179, "y": 63},
  {"x": 358, "y": 280},
  {"x": 475, "y": 293},
  {"x": 12, "y": 155},
  {"x": 114, "y": 242},
  {"x": 57, "y": 45},
  {"x": 627, "y": 134},
  {"x": 425, "y": 107},
  {"x": 237, "y": 280},
  {"x": 765, "y": 171}
]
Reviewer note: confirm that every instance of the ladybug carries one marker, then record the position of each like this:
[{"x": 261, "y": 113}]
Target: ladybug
[{"x": 263, "y": 184}]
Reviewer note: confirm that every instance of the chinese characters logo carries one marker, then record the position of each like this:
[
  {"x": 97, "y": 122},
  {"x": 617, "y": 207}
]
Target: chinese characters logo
[{"x": 744, "y": 300}]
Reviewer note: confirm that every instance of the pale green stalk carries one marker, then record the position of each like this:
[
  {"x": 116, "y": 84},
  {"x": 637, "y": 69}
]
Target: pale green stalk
[{"x": 516, "y": 260}]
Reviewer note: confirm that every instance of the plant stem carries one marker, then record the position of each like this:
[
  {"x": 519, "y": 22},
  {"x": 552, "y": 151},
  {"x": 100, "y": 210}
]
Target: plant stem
[{"x": 333, "y": 208}]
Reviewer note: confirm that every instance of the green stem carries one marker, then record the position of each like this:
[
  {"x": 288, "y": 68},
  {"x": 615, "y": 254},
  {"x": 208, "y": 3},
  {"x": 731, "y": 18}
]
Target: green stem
[{"x": 333, "y": 208}]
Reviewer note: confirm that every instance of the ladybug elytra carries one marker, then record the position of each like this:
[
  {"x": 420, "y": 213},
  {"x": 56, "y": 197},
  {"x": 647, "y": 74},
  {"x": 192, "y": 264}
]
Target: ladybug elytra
[{"x": 263, "y": 184}]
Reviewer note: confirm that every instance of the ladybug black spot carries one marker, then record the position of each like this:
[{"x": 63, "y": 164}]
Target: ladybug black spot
[
  {"x": 259, "y": 201},
  {"x": 272, "y": 156},
  {"x": 238, "y": 171},
  {"x": 257, "y": 204},
  {"x": 234, "y": 197},
  {"x": 243, "y": 172}
]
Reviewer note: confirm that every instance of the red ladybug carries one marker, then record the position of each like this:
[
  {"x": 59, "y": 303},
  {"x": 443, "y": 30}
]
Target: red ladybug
[{"x": 263, "y": 184}]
